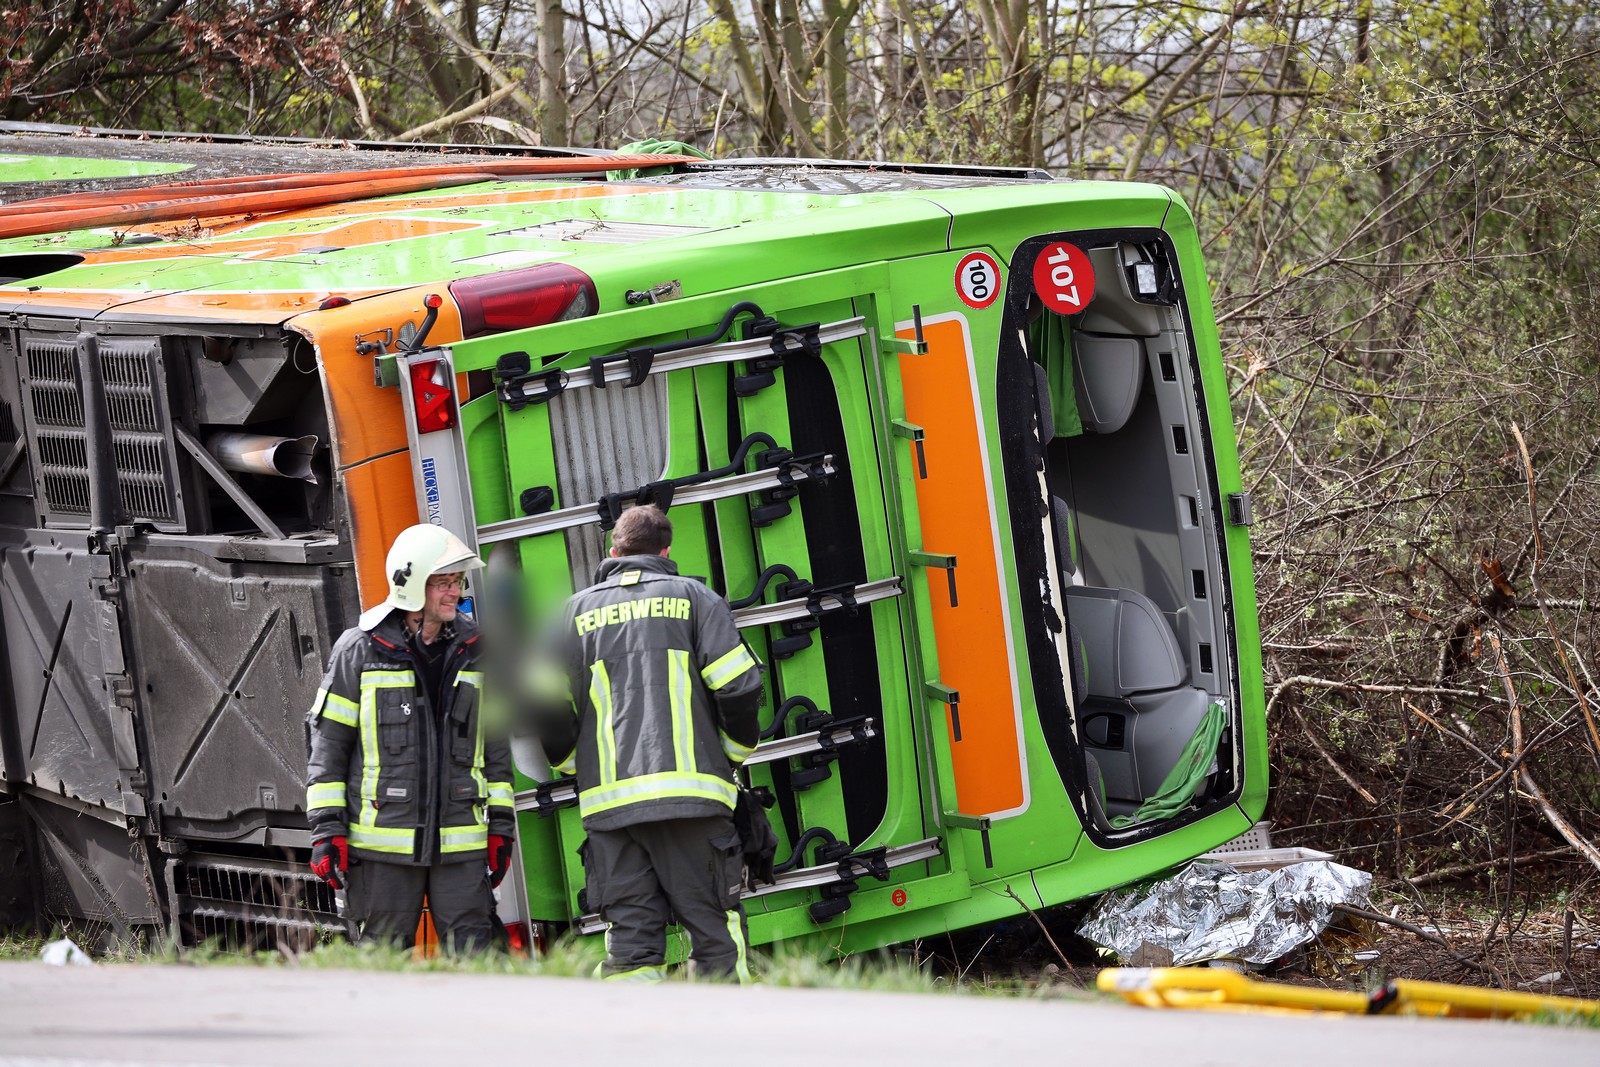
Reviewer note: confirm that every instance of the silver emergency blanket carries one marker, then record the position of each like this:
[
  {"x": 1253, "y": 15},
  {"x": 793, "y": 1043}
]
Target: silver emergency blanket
[{"x": 1209, "y": 910}]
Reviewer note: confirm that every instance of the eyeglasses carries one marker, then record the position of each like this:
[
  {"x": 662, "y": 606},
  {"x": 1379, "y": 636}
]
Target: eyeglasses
[{"x": 448, "y": 581}]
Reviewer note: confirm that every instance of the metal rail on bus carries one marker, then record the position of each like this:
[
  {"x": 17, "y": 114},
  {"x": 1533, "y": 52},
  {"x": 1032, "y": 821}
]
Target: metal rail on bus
[
  {"x": 847, "y": 869},
  {"x": 518, "y": 390},
  {"x": 564, "y": 791}
]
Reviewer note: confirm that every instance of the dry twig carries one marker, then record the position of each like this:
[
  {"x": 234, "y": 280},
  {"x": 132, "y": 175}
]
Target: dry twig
[
  {"x": 1531, "y": 787},
  {"x": 1538, "y": 592},
  {"x": 1426, "y": 935},
  {"x": 1062, "y": 956}
]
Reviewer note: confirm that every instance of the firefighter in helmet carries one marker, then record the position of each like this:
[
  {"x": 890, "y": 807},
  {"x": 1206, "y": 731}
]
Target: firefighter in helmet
[
  {"x": 409, "y": 783},
  {"x": 651, "y": 697}
]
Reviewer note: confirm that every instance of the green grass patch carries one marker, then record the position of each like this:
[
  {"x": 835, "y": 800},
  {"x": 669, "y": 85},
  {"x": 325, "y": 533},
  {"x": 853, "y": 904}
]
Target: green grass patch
[
  {"x": 572, "y": 956},
  {"x": 14, "y": 946}
]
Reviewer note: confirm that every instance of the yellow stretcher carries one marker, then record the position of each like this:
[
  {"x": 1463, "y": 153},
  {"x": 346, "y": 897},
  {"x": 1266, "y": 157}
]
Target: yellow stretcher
[{"x": 1216, "y": 989}]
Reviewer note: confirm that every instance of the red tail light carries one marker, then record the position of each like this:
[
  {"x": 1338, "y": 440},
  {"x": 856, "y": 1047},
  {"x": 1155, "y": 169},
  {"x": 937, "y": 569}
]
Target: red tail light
[
  {"x": 518, "y": 299},
  {"x": 431, "y": 393}
]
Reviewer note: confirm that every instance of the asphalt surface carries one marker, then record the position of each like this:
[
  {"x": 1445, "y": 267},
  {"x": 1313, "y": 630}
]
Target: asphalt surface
[{"x": 252, "y": 1017}]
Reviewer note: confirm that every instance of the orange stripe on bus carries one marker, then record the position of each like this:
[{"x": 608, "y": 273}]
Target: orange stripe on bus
[
  {"x": 268, "y": 194},
  {"x": 957, "y": 513},
  {"x": 340, "y": 234},
  {"x": 383, "y": 501}
]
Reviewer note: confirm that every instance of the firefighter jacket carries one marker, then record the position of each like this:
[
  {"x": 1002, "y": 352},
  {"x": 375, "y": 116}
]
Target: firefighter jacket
[
  {"x": 665, "y": 694},
  {"x": 404, "y": 781}
]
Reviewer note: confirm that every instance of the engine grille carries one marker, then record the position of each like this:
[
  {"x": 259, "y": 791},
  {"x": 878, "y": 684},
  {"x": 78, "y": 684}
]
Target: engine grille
[
  {"x": 136, "y": 406},
  {"x": 250, "y": 905}
]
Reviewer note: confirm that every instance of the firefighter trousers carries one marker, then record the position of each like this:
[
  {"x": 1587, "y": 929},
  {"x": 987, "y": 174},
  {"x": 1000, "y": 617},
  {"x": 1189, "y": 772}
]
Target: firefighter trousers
[
  {"x": 386, "y": 902},
  {"x": 639, "y": 877}
]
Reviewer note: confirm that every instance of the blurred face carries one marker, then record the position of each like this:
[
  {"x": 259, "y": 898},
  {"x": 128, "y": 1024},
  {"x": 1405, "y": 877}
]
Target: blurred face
[{"x": 444, "y": 590}]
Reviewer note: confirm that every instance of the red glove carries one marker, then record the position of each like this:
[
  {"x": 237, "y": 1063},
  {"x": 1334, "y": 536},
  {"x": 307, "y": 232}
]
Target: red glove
[
  {"x": 330, "y": 859},
  {"x": 499, "y": 858}
]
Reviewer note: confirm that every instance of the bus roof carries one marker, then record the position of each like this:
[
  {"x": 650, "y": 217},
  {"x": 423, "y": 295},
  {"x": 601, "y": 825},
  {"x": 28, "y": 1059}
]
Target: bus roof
[{"x": 273, "y": 266}]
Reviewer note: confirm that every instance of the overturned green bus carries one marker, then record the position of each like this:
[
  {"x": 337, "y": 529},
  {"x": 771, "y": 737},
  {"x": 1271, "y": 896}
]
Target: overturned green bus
[{"x": 954, "y": 441}]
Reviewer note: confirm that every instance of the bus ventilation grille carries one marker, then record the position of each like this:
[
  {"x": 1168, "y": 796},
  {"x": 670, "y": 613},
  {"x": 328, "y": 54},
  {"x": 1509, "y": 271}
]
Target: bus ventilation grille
[
  {"x": 248, "y": 906},
  {"x": 137, "y": 413}
]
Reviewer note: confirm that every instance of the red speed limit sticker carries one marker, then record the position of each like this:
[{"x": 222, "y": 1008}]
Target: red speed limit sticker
[
  {"x": 899, "y": 898},
  {"x": 978, "y": 279},
  {"x": 1063, "y": 278}
]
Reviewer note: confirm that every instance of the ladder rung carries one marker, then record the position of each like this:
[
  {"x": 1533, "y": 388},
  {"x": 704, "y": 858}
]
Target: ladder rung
[
  {"x": 715, "y": 489},
  {"x": 798, "y": 607}
]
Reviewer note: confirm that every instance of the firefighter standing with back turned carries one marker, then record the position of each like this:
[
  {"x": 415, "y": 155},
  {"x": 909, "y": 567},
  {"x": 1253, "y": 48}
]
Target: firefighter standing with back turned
[
  {"x": 408, "y": 787},
  {"x": 662, "y": 695}
]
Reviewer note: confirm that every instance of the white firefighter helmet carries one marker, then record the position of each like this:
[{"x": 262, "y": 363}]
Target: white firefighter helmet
[{"x": 418, "y": 553}]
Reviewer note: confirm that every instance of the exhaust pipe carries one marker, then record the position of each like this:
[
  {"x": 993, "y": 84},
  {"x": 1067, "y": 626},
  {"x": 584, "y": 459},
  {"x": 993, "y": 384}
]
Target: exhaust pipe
[{"x": 255, "y": 453}]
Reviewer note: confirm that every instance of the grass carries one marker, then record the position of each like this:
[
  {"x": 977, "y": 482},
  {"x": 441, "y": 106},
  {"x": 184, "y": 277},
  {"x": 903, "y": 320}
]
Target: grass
[
  {"x": 783, "y": 966},
  {"x": 15, "y": 946}
]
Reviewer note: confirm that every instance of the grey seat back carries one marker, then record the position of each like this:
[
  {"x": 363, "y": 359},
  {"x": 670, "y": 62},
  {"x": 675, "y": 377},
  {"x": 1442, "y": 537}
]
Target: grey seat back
[
  {"x": 1041, "y": 397},
  {"x": 1066, "y": 539},
  {"x": 1110, "y": 373},
  {"x": 1128, "y": 645}
]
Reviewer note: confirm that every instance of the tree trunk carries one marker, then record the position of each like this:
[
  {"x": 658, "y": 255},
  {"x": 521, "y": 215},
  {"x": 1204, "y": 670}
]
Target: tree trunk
[{"x": 552, "y": 114}]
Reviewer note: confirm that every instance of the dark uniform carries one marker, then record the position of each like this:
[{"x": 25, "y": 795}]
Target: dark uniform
[
  {"x": 666, "y": 695},
  {"x": 400, "y": 765}
]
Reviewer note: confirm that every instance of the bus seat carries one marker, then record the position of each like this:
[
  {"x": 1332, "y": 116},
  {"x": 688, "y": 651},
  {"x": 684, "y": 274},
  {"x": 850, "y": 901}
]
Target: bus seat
[
  {"x": 1097, "y": 793},
  {"x": 1066, "y": 541},
  {"x": 1128, "y": 644},
  {"x": 1110, "y": 373},
  {"x": 1140, "y": 709},
  {"x": 1041, "y": 394}
]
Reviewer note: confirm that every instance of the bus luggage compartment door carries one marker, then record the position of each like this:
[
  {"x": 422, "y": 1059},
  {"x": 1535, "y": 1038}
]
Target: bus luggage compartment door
[
  {"x": 227, "y": 656},
  {"x": 63, "y": 731}
]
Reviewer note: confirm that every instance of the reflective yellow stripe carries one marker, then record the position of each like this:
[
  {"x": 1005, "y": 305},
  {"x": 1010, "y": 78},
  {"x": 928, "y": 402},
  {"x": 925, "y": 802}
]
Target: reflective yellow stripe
[
  {"x": 340, "y": 709},
  {"x": 477, "y": 751},
  {"x": 666, "y": 786},
  {"x": 736, "y": 931},
  {"x": 371, "y": 757},
  {"x": 569, "y": 762},
  {"x": 735, "y": 751},
  {"x": 501, "y": 795},
  {"x": 324, "y": 795},
  {"x": 382, "y": 839},
  {"x": 387, "y": 679},
  {"x": 463, "y": 838},
  {"x": 682, "y": 710},
  {"x": 654, "y": 972},
  {"x": 473, "y": 678},
  {"x": 605, "y": 730},
  {"x": 725, "y": 669}
]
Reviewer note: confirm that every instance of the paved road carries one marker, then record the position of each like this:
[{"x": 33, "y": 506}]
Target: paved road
[{"x": 252, "y": 1017}]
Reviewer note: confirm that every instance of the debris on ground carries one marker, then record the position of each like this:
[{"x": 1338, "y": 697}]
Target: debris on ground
[
  {"x": 1213, "y": 911},
  {"x": 65, "y": 953}
]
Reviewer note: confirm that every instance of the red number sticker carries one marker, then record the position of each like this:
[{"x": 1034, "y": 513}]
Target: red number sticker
[
  {"x": 899, "y": 898},
  {"x": 1063, "y": 278},
  {"x": 978, "y": 279}
]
